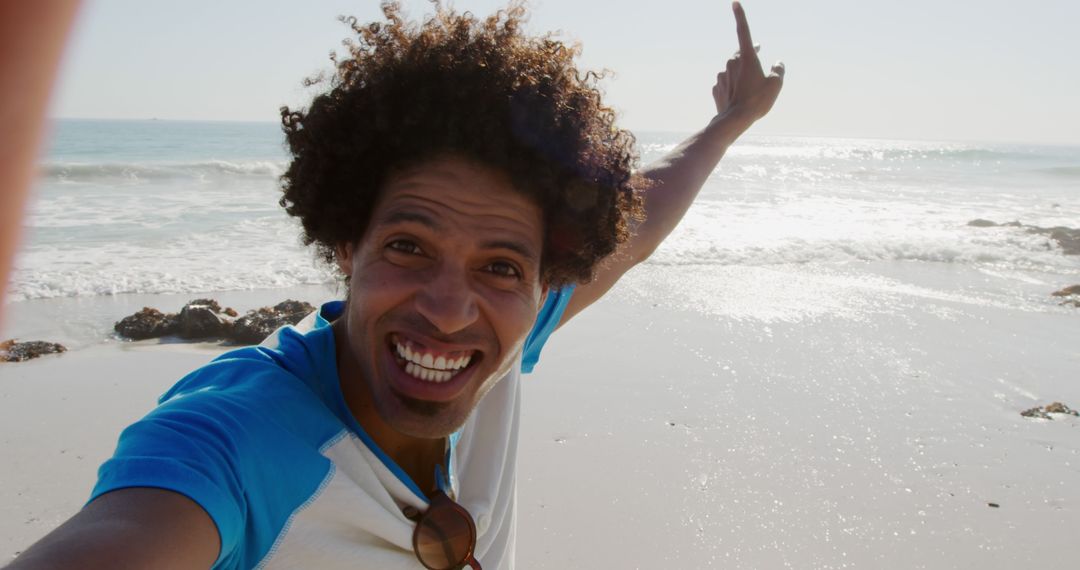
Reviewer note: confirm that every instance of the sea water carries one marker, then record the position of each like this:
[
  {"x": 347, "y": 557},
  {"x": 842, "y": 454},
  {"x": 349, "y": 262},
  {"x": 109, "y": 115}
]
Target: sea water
[{"x": 125, "y": 207}]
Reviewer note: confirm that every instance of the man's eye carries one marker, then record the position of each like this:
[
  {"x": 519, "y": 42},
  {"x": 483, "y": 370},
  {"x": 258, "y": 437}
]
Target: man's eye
[
  {"x": 404, "y": 246},
  {"x": 504, "y": 269}
]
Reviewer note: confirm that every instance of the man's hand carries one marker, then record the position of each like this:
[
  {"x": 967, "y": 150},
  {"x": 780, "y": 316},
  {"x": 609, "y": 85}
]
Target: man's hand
[
  {"x": 742, "y": 89},
  {"x": 743, "y": 94}
]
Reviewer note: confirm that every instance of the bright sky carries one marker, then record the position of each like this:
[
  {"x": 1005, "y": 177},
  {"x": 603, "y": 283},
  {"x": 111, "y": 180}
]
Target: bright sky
[{"x": 969, "y": 70}]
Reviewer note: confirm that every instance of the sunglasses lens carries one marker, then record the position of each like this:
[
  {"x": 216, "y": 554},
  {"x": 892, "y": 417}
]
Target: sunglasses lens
[{"x": 444, "y": 537}]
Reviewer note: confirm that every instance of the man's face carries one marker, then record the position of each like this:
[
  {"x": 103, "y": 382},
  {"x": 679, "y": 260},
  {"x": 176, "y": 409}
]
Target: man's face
[{"x": 444, "y": 288}]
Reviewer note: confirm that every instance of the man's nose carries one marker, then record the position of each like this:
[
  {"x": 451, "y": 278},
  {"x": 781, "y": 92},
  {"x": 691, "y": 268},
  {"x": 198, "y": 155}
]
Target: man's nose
[{"x": 448, "y": 300}]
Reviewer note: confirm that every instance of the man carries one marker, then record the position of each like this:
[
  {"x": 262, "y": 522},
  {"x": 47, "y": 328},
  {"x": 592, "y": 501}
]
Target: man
[{"x": 463, "y": 177}]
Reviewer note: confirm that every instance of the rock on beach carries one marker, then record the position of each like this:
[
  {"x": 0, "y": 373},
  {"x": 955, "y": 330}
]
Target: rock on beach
[
  {"x": 1071, "y": 294},
  {"x": 205, "y": 319},
  {"x": 1044, "y": 412},
  {"x": 147, "y": 323},
  {"x": 14, "y": 351},
  {"x": 1068, "y": 291},
  {"x": 256, "y": 325},
  {"x": 1067, "y": 238}
]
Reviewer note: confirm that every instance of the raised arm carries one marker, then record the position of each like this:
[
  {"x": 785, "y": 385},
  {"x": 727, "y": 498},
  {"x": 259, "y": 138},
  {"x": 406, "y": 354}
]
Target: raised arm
[
  {"x": 129, "y": 528},
  {"x": 743, "y": 94}
]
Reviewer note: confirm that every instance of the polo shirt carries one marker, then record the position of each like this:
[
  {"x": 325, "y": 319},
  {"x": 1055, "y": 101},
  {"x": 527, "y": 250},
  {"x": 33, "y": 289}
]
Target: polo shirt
[{"x": 261, "y": 438}]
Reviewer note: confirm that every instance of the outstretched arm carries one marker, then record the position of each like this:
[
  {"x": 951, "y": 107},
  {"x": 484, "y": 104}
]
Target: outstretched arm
[
  {"x": 129, "y": 528},
  {"x": 743, "y": 94}
]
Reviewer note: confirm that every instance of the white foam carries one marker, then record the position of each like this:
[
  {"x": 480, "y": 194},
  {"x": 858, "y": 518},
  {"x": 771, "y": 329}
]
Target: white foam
[{"x": 76, "y": 172}]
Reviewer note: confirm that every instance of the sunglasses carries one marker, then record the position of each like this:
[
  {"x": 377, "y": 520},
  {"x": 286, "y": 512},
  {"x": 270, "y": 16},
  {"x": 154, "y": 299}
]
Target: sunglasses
[{"x": 445, "y": 534}]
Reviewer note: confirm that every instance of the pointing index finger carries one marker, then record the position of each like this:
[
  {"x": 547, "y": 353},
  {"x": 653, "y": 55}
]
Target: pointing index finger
[{"x": 746, "y": 44}]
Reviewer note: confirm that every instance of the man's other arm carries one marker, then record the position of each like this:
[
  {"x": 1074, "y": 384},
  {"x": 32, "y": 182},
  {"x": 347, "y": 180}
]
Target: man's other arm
[
  {"x": 129, "y": 528},
  {"x": 32, "y": 36},
  {"x": 743, "y": 94}
]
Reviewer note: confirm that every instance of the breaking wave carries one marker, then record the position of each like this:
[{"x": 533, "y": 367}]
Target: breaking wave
[{"x": 75, "y": 172}]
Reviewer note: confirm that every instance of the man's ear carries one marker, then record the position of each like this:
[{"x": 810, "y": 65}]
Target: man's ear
[{"x": 343, "y": 256}]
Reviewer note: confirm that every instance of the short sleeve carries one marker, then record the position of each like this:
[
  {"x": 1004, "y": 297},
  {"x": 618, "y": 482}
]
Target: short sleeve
[
  {"x": 185, "y": 447},
  {"x": 223, "y": 437},
  {"x": 546, "y": 322}
]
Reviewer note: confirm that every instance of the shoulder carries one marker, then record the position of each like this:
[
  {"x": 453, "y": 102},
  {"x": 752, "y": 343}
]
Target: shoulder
[
  {"x": 290, "y": 362},
  {"x": 240, "y": 436},
  {"x": 547, "y": 320}
]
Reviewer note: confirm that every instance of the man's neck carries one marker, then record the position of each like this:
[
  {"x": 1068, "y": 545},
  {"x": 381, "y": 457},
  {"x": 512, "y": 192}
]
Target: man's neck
[{"x": 416, "y": 456}]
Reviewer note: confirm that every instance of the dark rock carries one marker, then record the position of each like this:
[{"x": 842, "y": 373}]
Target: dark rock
[
  {"x": 209, "y": 303},
  {"x": 147, "y": 323},
  {"x": 1070, "y": 290},
  {"x": 12, "y": 351},
  {"x": 1036, "y": 413},
  {"x": 1045, "y": 411},
  {"x": 256, "y": 325},
  {"x": 1067, "y": 238},
  {"x": 1073, "y": 302},
  {"x": 1059, "y": 408},
  {"x": 202, "y": 318},
  {"x": 993, "y": 505},
  {"x": 205, "y": 319}
]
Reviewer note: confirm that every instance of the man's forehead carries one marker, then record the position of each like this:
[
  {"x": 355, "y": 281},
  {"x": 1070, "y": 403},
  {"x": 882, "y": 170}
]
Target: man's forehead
[
  {"x": 453, "y": 194},
  {"x": 459, "y": 184}
]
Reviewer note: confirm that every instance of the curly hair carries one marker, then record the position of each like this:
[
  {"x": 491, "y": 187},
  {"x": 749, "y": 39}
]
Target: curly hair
[{"x": 481, "y": 89}]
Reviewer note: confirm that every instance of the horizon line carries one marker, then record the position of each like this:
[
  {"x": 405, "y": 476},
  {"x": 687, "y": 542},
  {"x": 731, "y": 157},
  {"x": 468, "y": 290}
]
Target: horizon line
[{"x": 999, "y": 141}]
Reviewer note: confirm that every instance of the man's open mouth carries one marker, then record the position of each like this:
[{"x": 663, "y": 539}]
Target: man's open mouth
[{"x": 427, "y": 364}]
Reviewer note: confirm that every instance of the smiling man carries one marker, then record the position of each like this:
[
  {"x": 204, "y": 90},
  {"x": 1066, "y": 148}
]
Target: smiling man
[{"x": 471, "y": 187}]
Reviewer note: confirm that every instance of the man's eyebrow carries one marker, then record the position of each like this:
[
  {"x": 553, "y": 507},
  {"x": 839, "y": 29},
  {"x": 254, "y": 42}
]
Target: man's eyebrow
[
  {"x": 402, "y": 216},
  {"x": 516, "y": 247}
]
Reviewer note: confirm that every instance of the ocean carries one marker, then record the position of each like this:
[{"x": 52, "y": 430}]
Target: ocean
[{"x": 151, "y": 207}]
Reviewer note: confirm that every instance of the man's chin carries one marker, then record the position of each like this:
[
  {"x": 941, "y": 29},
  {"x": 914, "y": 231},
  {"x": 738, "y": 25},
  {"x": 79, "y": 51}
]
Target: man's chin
[
  {"x": 424, "y": 408},
  {"x": 424, "y": 418}
]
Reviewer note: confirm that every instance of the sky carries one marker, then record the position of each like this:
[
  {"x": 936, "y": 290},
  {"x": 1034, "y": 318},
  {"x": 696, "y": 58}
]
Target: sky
[{"x": 954, "y": 70}]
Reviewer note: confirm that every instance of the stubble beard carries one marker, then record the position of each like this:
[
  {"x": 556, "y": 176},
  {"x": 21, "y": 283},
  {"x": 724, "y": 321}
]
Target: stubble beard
[{"x": 423, "y": 408}]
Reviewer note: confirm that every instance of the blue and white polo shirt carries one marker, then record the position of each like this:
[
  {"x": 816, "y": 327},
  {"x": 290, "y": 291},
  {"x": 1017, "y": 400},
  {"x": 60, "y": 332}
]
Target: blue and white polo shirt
[{"x": 262, "y": 439}]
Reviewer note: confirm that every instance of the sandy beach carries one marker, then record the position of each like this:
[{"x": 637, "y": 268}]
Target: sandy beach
[{"x": 855, "y": 416}]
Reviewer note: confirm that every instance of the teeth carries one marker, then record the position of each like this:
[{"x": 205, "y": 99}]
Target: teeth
[{"x": 430, "y": 368}]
